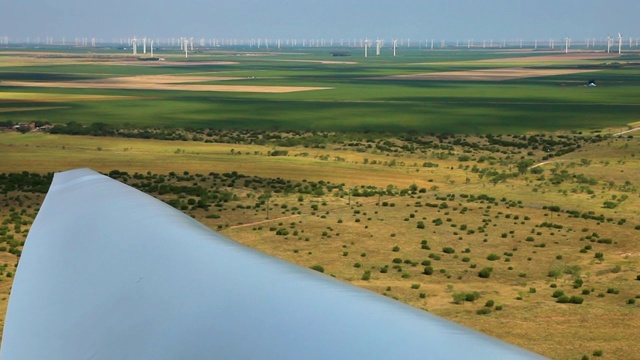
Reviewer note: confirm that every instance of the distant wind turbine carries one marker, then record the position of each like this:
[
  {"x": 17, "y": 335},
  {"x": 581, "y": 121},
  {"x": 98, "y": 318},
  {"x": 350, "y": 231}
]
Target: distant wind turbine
[{"x": 619, "y": 44}]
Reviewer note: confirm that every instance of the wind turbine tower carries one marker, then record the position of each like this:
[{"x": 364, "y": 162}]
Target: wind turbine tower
[
  {"x": 608, "y": 44},
  {"x": 395, "y": 46},
  {"x": 567, "y": 42},
  {"x": 366, "y": 46},
  {"x": 619, "y": 44},
  {"x": 134, "y": 44},
  {"x": 378, "y": 47}
]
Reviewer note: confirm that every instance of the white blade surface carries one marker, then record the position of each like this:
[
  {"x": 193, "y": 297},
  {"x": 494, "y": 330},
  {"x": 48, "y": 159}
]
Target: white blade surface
[{"x": 109, "y": 272}]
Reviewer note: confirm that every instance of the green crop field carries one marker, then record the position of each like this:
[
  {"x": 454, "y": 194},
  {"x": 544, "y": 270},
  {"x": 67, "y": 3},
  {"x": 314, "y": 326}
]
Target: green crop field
[{"x": 357, "y": 98}]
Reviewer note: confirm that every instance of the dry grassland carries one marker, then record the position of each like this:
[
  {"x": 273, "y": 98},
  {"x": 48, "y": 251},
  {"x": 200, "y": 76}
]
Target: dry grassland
[{"x": 339, "y": 235}]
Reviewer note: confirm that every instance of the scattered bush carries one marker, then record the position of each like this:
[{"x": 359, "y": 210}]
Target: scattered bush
[
  {"x": 598, "y": 352},
  {"x": 460, "y": 298},
  {"x": 576, "y": 299},
  {"x": 493, "y": 257},
  {"x": 485, "y": 273},
  {"x": 318, "y": 268},
  {"x": 367, "y": 275},
  {"x": 484, "y": 311}
]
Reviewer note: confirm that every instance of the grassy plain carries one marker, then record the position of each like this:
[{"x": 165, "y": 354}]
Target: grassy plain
[{"x": 466, "y": 189}]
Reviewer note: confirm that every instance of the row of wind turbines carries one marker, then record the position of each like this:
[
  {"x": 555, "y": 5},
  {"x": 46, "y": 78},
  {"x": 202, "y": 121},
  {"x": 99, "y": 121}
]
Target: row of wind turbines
[{"x": 186, "y": 44}]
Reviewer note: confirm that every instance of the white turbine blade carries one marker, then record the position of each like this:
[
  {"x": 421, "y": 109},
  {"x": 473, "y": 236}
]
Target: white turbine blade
[{"x": 108, "y": 272}]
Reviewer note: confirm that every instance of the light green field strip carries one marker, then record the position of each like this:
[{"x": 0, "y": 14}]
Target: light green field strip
[
  {"x": 21, "y": 96},
  {"x": 500, "y": 74}
]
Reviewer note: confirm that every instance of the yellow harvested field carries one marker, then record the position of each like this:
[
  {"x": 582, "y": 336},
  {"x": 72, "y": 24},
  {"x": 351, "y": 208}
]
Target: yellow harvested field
[
  {"x": 162, "y": 82},
  {"x": 22, "y": 109},
  {"x": 499, "y": 74}
]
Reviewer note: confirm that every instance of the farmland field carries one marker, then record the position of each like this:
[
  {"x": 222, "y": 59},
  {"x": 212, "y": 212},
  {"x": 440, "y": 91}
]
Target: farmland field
[
  {"x": 506, "y": 204},
  {"x": 355, "y": 95}
]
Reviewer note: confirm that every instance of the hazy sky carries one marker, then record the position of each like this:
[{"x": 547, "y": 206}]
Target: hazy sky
[{"x": 416, "y": 19}]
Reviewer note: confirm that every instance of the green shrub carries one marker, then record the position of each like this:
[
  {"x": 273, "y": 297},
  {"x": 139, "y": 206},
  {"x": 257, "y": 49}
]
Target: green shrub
[
  {"x": 367, "y": 275},
  {"x": 428, "y": 270},
  {"x": 483, "y": 311},
  {"x": 576, "y": 299},
  {"x": 554, "y": 273},
  {"x": 415, "y": 286},
  {"x": 563, "y": 299},
  {"x": 556, "y": 294},
  {"x": 493, "y": 257},
  {"x": 485, "y": 273},
  {"x": 396, "y": 248},
  {"x": 631, "y": 301},
  {"x": 459, "y": 298},
  {"x": 489, "y": 303},
  {"x": 318, "y": 268},
  {"x": 598, "y": 352},
  {"x": 448, "y": 250}
]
